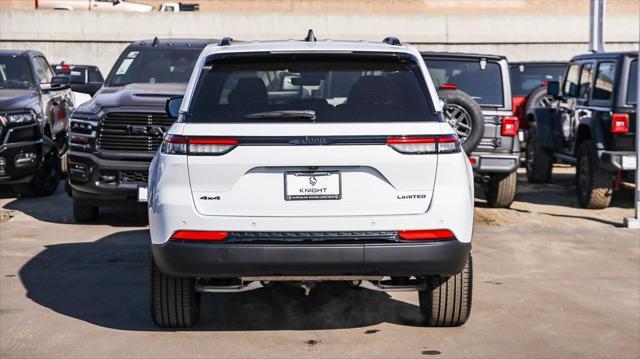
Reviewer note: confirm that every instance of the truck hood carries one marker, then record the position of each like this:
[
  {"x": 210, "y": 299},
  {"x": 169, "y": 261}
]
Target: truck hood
[
  {"x": 17, "y": 99},
  {"x": 133, "y": 95}
]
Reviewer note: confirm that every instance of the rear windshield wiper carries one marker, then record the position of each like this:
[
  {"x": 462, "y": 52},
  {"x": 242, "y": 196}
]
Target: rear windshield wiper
[{"x": 284, "y": 114}]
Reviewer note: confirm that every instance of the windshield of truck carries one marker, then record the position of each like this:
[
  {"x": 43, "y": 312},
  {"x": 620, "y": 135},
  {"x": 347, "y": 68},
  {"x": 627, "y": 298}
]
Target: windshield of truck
[
  {"x": 152, "y": 65},
  {"x": 314, "y": 88},
  {"x": 483, "y": 84},
  {"x": 526, "y": 77},
  {"x": 632, "y": 87},
  {"x": 15, "y": 72}
]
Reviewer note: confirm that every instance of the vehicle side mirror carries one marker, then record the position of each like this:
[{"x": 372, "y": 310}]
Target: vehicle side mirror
[
  {"x": 553, "y": 88},
  {"x": 60, "y": 83},
  {"x": 173, "y": 106}
]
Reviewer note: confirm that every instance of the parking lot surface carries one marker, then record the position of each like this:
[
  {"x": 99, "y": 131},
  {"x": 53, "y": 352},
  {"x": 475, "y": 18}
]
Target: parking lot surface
[{"x": 551, "y": 280}]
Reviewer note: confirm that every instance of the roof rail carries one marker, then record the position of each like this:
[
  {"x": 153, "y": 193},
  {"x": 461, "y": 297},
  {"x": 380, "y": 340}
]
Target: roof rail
[
  {"x": 310, "y": 36},
  {"x": 226, "y": 41},
  {"x": 392, "y": 40}
]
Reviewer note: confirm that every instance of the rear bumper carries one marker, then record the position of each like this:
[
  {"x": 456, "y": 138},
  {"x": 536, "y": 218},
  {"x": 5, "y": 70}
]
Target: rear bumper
[
  {"x": 98, "y": 181},
  {"x": 494, "y": 163},
  {"x": 230, "y": 260},
  {"x": 618, "y": 160}
]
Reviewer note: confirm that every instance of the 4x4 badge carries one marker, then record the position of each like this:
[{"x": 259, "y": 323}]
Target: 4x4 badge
[{"x": 208, "y": 198}]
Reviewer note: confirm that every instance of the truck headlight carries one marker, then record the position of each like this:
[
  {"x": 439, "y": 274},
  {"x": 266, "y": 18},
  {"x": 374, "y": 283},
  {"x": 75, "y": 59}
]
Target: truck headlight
[
  {"x": 20, "y": 118},
  {"x": 82, "y": 131}
]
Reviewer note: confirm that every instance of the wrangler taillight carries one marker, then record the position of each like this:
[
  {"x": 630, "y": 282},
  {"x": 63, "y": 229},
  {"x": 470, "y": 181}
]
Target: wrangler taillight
[
  {"x": 620, "y": 123},
  {"x": 509, "y": 126},
  {"x": 419, "y": 145},
  {"x": 181, "y": 145}
]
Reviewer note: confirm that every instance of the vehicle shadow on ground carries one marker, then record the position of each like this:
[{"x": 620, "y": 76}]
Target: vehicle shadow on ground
[
  {"x": 106, "y": 283},
  {"x": 58, "y": 208}
]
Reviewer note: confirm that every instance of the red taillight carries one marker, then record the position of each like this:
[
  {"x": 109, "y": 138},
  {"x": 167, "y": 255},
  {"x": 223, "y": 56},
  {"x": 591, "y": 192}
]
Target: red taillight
[
  {"x": 424, "y": 144},
  {"x": 509, "y": 126},
  {"x": 426, "y": 235},
  {"x": 200, "y": 235},
  {"x": 449, "y": 86},
  {"x": 620, "y": 123},
  {"x": 180, "y": 145}
]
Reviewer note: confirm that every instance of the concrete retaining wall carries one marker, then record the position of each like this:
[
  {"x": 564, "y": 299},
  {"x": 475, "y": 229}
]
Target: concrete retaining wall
[{"x": 98, "y": 38}]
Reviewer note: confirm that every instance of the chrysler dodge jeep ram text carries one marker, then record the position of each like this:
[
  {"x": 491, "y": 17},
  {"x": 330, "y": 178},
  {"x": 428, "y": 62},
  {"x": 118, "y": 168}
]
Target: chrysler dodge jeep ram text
[{"x": 309, "y": 161}]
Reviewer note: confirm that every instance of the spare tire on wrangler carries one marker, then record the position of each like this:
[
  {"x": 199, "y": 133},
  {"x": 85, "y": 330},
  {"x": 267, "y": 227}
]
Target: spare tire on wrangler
[{"x": 465, "y": 116}]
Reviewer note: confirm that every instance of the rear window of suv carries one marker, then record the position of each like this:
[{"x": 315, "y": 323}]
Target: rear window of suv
[
  {"x": 483, "y": 84},
  {"x": 311, "y": 87}
]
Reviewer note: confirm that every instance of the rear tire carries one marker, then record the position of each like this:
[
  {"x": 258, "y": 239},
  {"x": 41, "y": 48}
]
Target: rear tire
[
  {"x": 501, "y": 191},
  {"x": 174, "y": 300},
  {"x": 538, "y": 163},
  {"x": 594, "y": 186},
  {"x": 447, "y": 301},
  {"x": 84, "y": 213}
]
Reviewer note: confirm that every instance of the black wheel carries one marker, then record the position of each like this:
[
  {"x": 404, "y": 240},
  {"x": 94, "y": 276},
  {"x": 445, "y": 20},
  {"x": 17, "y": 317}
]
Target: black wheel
[
  {"x": 465, "y": 116},
  {"x": 501, "y": 190},
  {"x": 538, "y": 163},
  {"x": 447, "y": 300},
  {"x": 83, "y": 213},
  {"x": 174, "y": 300},
  {"x": 47, "y": 177},
  {"x": 594, "y": 186}
]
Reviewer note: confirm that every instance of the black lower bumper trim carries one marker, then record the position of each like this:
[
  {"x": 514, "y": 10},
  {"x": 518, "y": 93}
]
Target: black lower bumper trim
[{"x": 224, "y": 260}]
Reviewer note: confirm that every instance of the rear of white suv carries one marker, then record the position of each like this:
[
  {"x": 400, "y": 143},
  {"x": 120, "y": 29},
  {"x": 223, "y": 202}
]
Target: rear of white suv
[{"x": 306, "y": 162}]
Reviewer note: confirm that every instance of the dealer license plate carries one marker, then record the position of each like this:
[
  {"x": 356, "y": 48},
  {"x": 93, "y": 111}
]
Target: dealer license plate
[{"x": 312, "y": 185}]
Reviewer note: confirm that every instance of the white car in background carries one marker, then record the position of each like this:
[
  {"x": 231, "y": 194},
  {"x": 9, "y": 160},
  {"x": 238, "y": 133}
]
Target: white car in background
[
  {"x": 309, "y": 161},
  {"x": 93, "y": 5}
]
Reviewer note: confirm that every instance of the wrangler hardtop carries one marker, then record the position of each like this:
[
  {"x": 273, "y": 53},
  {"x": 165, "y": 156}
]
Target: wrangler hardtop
[{"x": 592, "y": 125}]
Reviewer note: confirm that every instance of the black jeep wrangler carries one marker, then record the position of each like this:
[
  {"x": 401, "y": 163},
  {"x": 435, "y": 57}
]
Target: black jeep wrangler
[
  {"x": 592, "y": 125},
  {"x": 114, "y": 136},
  {"x": 35, "y": 106},
  {"x": 477, "y": 95}
]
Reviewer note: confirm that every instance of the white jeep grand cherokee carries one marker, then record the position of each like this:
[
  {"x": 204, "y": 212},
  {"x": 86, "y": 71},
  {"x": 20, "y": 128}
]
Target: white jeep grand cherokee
[{"x": 309, "y": 161}]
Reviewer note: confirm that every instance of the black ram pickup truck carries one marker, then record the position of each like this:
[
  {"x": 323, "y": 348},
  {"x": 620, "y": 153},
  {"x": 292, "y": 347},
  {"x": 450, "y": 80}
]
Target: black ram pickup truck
[
  {"x": 592, "y": 125},
  {"x": 477, "y": 103},
  {"x": 35, "y": 106},
  {"x": 114, "y": 136}
]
